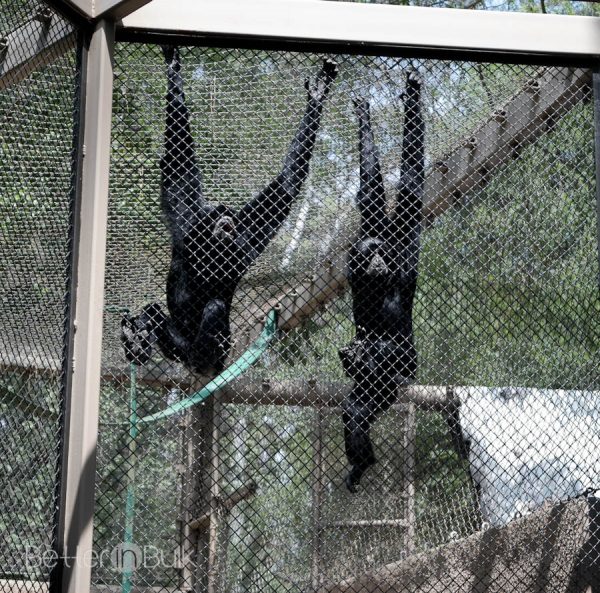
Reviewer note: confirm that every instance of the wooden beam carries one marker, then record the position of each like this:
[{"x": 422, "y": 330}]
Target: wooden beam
[
  {"x": 36, "y": 44},
  {"x": 511, "y": 127},
  {"x": 401, "y": 523},
  {"x": 226, "y": 504},
  {"x": 291, "y": 392},
  {"x": 409, "y": 450},
  {"x": 298, "y": 392}
]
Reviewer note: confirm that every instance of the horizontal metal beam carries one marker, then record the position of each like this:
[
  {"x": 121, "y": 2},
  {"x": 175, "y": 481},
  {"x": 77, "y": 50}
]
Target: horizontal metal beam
[
  {"x": 116, "y": 8},
  {"x": 95, "y": 9},
  {"x": 83, "y": 7},
  {"x": 370, "y": 26}
]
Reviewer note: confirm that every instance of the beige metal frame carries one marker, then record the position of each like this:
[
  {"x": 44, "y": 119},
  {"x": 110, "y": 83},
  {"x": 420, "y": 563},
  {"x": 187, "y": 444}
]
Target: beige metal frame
[
  {"x": 96, "y": 9},
  {"x": 309, "y": 21},
  {"x": 83, "y": 370},
  {"x": 373, "y": 25}
]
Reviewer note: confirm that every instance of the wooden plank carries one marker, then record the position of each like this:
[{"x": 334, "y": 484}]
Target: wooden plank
[
  {"x": 318, "y": 494},
  {"x": 226, "y": 504},
  {"x": 215, "y": 526},
  {"x": 298, "y": 392},
  {"x": 408, "y": 477},
  {"x": 187, "y": 537},
  {"x": 513, "y": 126},
  {"x": 290, "y": 392}
]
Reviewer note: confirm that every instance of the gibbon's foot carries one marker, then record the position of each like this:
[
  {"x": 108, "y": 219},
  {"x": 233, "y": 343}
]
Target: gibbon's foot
[
  {"x": 322, "y": 85},
  {"x": 361, "y": 106},
  {"x": 413, "y": 87},
  {"x": 171, "y": 53},
  {"x": 413, "y": 79},
  {"x": 353, "y": 478},
  {"x": 138, "y": 336}
]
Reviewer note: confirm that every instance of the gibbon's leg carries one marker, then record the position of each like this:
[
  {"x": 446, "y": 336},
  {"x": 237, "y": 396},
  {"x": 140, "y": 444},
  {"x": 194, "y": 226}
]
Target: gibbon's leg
[
  {"x": 360, "y": 410},
  {"x": 357, "y": 417},
  {"x": 151, "y": 326},
  {"x": 262, "y": 217},
  {"x": 208, "y": 352}
]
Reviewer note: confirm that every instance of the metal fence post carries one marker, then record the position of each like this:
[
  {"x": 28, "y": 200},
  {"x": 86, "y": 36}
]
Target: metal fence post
[
  {"x": 596, "y": 89},
  {"x": 73, "y": 574}
]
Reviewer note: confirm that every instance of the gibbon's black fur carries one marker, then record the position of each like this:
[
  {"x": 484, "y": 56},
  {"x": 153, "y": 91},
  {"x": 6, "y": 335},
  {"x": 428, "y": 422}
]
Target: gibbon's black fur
[
  {"x": 213, "y": 245},
  {"x": 382, "y": 273}
]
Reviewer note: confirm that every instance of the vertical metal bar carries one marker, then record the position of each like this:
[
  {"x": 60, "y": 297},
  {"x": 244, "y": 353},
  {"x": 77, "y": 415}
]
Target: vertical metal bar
[
  {"x": 409, "y": 477},
  {"x": 131, "y": 459},
  {"x": 188, "y": 537},
  {"x": 216, "y": 512},
  {"x": 317, "y": 502},
  {"x": 73, "y": 574},
  {"x": 596, "y": 89}
]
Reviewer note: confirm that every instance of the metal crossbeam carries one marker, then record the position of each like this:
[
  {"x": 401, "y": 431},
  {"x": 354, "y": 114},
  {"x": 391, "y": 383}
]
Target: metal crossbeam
[
  {"x": 372, "y": 25},
  {"x": 95, "y": 9}
]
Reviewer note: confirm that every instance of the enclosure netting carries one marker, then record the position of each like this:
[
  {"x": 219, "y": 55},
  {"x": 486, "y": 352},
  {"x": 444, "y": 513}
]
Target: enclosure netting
[
  {"x": 38, "y": 90},
  {"x": 245, "y": 491}
]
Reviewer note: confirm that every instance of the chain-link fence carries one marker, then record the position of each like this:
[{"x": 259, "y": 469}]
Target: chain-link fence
[
  {"x": 485, "y": 434},
  {"x": 38, "y": 91},
  {"x": 351, "y": 336}
]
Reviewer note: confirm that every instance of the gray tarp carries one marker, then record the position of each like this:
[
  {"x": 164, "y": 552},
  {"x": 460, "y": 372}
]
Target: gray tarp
[{"x": 530, "y": 445}]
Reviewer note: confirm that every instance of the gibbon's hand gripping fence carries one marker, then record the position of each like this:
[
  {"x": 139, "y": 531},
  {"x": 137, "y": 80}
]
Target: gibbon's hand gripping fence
[{"x": 485, "y": 438}]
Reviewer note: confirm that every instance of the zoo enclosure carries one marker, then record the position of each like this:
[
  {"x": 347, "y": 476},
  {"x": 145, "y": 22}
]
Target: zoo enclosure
[{"x": 575, "y": 83}]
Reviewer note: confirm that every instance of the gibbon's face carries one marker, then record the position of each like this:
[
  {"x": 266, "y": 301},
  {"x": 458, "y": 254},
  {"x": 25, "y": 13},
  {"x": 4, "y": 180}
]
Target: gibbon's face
[
  {"x": 371, "y": 257},
  {"x": 224, "y": 228}
]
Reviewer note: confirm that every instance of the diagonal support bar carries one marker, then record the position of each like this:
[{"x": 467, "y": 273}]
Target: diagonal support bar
[{"x": 34, "y": 45}]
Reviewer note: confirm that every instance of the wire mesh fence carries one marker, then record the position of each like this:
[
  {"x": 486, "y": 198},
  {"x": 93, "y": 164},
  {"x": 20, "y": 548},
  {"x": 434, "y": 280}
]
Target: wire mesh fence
[
  {"x": 38, "y": 91},
  {"x": 266, "y": 235},
  {"x": 242, "y": 484}
]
